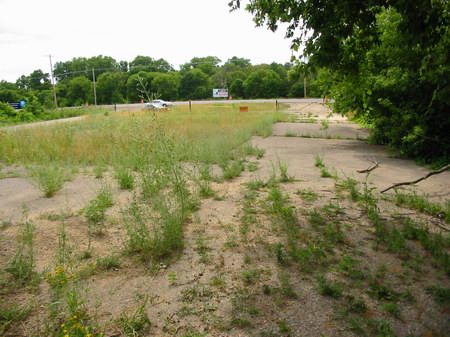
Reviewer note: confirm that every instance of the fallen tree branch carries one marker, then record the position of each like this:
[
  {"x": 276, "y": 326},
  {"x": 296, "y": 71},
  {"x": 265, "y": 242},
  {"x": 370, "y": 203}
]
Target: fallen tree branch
[
  {"x": 441, "y": 226},
  {"x": 432, "y": 173},
  {"x": 370, "y": 168},
  {"x": 436, "y": 223}
]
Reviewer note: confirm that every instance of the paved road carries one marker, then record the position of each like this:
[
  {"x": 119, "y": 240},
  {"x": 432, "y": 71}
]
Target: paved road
[{"x": 234, "y": 101}]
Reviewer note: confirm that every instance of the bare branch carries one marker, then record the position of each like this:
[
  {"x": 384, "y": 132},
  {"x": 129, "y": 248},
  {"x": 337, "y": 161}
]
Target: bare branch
[
  {"x": 370, "y": 168},
  {"x": 442, "y": 169}
]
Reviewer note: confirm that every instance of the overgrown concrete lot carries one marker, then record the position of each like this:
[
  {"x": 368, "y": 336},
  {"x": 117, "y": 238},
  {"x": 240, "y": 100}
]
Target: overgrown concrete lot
[{"x": 297, "y": 244}]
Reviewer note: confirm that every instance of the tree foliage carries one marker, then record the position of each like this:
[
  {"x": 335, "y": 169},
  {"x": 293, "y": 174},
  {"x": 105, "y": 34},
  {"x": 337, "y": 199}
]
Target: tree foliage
[{"x": 389, "y": 62}]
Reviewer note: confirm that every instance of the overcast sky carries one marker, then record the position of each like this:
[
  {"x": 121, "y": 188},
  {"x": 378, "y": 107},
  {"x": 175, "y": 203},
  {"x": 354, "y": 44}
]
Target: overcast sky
[{"x": 176, "y": 30}]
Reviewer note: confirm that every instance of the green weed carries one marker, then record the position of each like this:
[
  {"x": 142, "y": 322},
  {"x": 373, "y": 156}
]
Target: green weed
[
  {"x": 349, "y": 267},
  {"x": 95, "y": 209},
  {"x": 232, "y": 170},
  {"x": 138, "y": 239},
  {"x": 255, "y": 184},
  {"x": 392, "y": 309},
  {"x": 422, "y": 204},
  {"x": 251, "y": 150},
  {"x": 204, "y": 172},
  {"x": 286, "y": 289},
  {"x": 49, "y": 178},
  {"x": 324, "y": 124},
  {"x": 381, "y": 291},
  {"x": 281, "y": 255},
  {"x": 250, "y": 277},
  {"x": 252, "y": 167},
  {"x": 284, "y": 328},
  {"x": 310, "y": 257},
  {"x": 218, "y": 282},
  {"x": 99, "y": 170},
  {"x": 355, "y": 306},
  {"x": 241, "y": 322},
  {"x": 231, "y": 242},
  {"x": 325, "y": 173},
  {"x": 137, "y": 323},
  {"x": 194, "y": 333},
  {"x": 328, "y": 288},
  {"x": 76, "y": 321},
  {"x": 351, "y": 185},
  {"x": 436, "y": 244},
  {"x": 22, "y": 264},
  {"x": 283, "y": 168},
  {"x": 11, "y": 314},
  {"x": 195, "y": 293},
  {"x": 440, "y": 295},
  {"x": 125, "y": 178},
  {"x": 108, "y": 262},
  {"x": 65, "y": 250},
  {"x": 307, "y": 195},
  {"x": 203, "y": 249},
  {"x": 380, "y": 328},
  {"x": 318, "y": 161},
  {"x": 290, "y": 133},
  {"x": 356, "y": 326}
]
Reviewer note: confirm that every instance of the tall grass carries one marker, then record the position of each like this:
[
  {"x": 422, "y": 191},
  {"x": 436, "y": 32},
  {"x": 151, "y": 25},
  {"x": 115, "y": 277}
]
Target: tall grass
[
  {"x": 152, "y": 148},
  {"x": 207, "y": 134}
]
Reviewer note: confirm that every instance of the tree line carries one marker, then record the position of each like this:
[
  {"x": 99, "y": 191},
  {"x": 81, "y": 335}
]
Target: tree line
[{"x": 102, "y": 79}]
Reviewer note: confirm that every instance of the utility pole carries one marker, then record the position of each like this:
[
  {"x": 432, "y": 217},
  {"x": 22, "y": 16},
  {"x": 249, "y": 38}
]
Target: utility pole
[
  {"x": 95, "y": 90},
  {"x": 53, "y": 80},
  {"x": 304, "y": 87}
]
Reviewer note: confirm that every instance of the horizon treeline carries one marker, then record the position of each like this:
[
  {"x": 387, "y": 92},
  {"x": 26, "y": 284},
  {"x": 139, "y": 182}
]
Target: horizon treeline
[{"x": 125, "y": 82}]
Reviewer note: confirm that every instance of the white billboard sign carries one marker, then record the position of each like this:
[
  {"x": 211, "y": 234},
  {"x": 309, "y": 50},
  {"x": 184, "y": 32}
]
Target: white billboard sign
[{"x": 220, "y": 93}]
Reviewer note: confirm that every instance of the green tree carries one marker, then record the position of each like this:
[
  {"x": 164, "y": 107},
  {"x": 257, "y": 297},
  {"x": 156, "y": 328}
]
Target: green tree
[
  {"x": 79, "y": 91},
  {"x": 37, "y": 80},
  {"x": 8, "y": 95},
  {"x": 111, "y": 88},
  {"x": 237, "y": 89},
  {"x": 207, "y": 65},
  {"x": 262, "y": 83},
  {"x": 195, "y": 85},
  {"x": 234, "y": 69},
  {"x": 167, "y": 85},
  {"x": 136, "y": 83},
  {"x": 237, "y": 62},
  {"x": 81, "y": 66},
  {"x": 148, "y": 64}
]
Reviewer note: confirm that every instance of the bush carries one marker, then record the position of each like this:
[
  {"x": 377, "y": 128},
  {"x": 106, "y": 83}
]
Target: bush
[
  {"x": 34, "y": 107},
  {"x": 6, "y": 111}
]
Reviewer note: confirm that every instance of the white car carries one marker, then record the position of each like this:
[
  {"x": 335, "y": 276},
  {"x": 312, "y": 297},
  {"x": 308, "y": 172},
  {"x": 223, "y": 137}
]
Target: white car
[{"x": 157, "y": 104}]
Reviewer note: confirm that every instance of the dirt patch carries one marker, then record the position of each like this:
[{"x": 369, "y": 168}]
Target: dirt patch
[{"x": 237, "y": 275}]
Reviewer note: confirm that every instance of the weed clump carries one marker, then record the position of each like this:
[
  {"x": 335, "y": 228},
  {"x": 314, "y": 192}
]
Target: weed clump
[
  {"x": 22, "y": 264},
  {"x": 95, "y": 209},
  {"x": 49, "y": 178}
]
